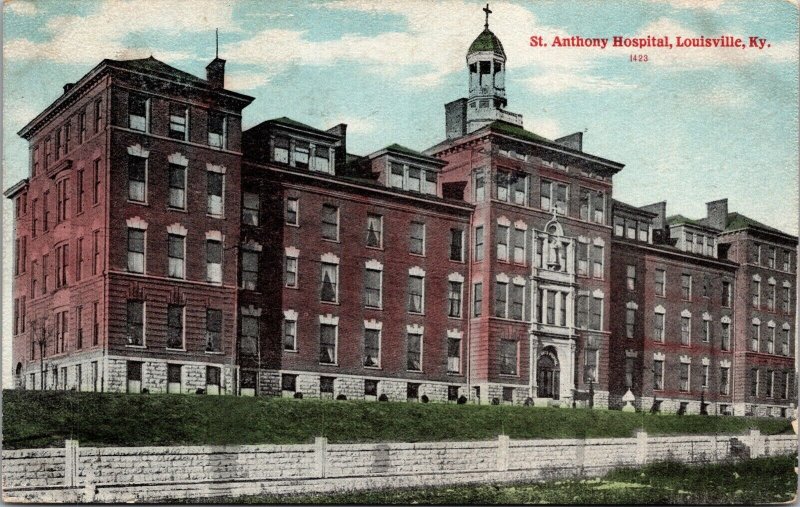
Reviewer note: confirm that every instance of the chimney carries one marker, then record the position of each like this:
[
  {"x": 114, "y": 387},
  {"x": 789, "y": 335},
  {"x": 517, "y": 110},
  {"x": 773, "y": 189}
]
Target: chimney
[
  {"x": 215, "y": 73},
  {"x": 340, "y": 149},
  {"x": 68, "y": 87},
  {"x": 572, "y": 141},
  {"x": 717, "y": 214},
  {"x": 455, "y": 118}
]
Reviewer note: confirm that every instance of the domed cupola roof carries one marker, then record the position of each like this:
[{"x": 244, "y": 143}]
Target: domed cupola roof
[{"x": 487, "y": 41}]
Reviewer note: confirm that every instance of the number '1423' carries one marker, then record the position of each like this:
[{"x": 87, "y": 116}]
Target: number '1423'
[{"x": 638, "y": 58}]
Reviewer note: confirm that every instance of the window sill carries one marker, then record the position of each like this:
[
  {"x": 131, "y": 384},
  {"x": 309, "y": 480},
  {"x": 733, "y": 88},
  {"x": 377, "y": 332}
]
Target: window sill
[
  {"x": 179, "y": 210},
  {"x": 509, "y": 375},
  {"x": 218, "y": 217},
  {"x": 454, "y": 317},
  {"x": 412, "y": 254},
  {"x": 291, "y": 351},
  {"x": 421, "y": 314},
  {"x": 295, "y": 287},
  {"x": 140, "y": 203},
  {"x": 458, "y": 261},
  {"x": 372, "y": 367},
  {"x": 330, "y": 240},
  {"x": 214, "y": 352},
  {"x": 127, "y": 345},
  {"x": 329, "y": 364},
  {"x": 380, "y": 248},
  {"x": 375, "y": 308},
  {"x": 335, "y": 303},
  {"x": 174, "y": 350},
  {"x": 415, "y": 371},
  {"x": 291, "y": 225},
  {"x": 455, "y": 374}
]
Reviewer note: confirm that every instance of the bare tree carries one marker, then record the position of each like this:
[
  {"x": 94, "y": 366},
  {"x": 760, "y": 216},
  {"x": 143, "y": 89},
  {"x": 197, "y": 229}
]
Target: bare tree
[{"x": 42, "y": 334}]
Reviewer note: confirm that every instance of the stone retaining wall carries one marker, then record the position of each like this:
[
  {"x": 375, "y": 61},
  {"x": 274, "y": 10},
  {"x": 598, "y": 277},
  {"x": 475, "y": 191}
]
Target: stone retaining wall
[{"x": 148, "y": 474}]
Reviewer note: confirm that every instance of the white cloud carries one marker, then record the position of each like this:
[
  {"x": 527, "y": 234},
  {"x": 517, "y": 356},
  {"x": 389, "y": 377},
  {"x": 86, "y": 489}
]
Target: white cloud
[
  {"x": 245, "y": 80},
  {"x": 21, "y": 8},
  {"x": 546, "y": 127},
  {"x": 107, "y": 32},
  {"x": 709, "y": 5},
  {"x": 563, "y": 80}
]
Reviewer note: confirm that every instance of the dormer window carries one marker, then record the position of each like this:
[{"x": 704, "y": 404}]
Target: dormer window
[
  {"x": 412, "y": 178},
  {"x": 280, "y": 150},
  {"x": 301, "y": 154},
  {"x": 138, "y": 112},
  {"x": 322, "y": 159},
  {"x": 397, "y": 175}
]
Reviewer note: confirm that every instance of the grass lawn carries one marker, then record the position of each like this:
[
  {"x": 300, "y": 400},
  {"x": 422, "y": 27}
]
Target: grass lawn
[
  {"x": 766, "y": 480},
  {"x": 42, "y": 419}
]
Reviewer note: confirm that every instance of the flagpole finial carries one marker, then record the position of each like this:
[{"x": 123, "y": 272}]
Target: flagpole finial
[{"x": 217, "y": 40}]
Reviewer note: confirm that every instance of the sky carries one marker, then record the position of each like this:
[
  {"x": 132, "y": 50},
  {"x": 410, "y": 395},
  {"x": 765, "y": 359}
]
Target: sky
[{"x": 690, "y": 125}]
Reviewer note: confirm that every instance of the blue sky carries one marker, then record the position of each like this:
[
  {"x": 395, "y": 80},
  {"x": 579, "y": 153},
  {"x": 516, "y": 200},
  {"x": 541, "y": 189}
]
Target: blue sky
[{"x": 690, "y": 125}]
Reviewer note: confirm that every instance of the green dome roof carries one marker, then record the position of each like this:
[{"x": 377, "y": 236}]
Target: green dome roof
[{"x": 487, "y": 41}]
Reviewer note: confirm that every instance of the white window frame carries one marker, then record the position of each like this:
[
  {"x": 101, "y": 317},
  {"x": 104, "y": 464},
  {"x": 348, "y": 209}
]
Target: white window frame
[
  {"x": 210, "y": 168},
  {"x": 424, "y": 238},
  {"x": 291, "y": 253},
  {"x": 372, "y": 325},
  {"x": 374, "y": 266},
  {"x": 416, "y": 272},
  {"x": 330, "y": 260},
  {"x": 296, "y": 201},
  {"x": 289, "y": 316}
]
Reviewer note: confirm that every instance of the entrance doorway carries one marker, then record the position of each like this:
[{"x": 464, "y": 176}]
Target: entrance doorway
[{"x": 547, "y": 375}]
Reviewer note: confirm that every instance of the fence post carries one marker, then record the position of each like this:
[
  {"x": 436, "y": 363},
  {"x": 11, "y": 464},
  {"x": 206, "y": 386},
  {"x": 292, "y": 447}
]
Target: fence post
[
  {"x": 71, "y": 463},
  {"x": 756, "y": 444},
  {"x": 320, "y": 452},
  {"x": 641, "y": 447},
  {"x": 502, "y": 453}
]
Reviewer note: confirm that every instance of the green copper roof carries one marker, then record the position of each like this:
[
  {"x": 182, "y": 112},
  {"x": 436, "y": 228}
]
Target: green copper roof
[
  {"x": 513, "y": 130},
  {"x": 680, "y": 219},
  {"x": 402, "y": 149},
  {"x": 739, "y": 221},
  {"x": 487, "y": 41}
]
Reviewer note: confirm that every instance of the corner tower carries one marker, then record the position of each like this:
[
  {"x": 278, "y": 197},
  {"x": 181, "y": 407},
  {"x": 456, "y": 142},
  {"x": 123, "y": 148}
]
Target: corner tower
[{"x": 486, "y": 62}]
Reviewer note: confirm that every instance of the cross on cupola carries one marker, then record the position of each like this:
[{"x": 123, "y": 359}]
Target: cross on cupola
[{"x": 488, "y": 11}]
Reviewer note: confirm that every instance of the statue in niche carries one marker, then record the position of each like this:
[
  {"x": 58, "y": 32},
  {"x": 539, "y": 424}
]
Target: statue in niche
[{"x": 553, "y": 257}]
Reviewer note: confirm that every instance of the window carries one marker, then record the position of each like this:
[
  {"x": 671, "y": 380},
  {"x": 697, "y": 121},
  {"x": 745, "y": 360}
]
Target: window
[
  {"x": 217, "y": 130},
  {"x": 45, "y": 211},
  {"x": 416, "y": 294},
  {"x": 658, "y": 327},
  {"x": 686, "y": 287},
  {"x": 62, "y": 262},
  {"x": 80, "y": 191},
  {"x": 726, "y": 294},
  {"x": 302, "y": 152},
  {"x": 133, "y": 375},
  {"x": 456, "y": 245},
  {"x": 480, "y": 186},
  {"x": 67, "y": 137},
  {"x": 630, "y": 274},
  {"x": 177, "y": 186},
  {"x": 453, "y": 355},
  {"x": 292, "y": 210},
  {"x": 290, "y": 335},
  {"x": 96, "y": 252},
  {"x": 34, "y": 268},
  {"x": 454, "y": 299},
  {"x": 477, "y": 299},
  {"x": 583, "y": 258},
  {"x": 502, "y": 181},
  {"x": 592, "y": 206},
  {"x": 787, "y": 260},
  {"x": 213, "y": 261},
  {"x": 213, "y": 379},
  {"x": 175, "y": 319},
  {"x": 785, "y": 342},
  {"x": 596, "y": 314},
  {"x": 137, "y": 178},
  {"x": 82, "y": 126},
  {"x": 479, "y": 243},
  {"x": 375, "y": 231},
  {"x": 327, "y": 344},
  {"x": 35, "y": 218},
  {"x": 290, "y": 274},
  {"x": 95, "y": 323},
  {"x": 397, "y": 176},
  {"x": 136, "y": 242},
  {"x": 372, "y": 348},
  {"x": 429, "y": 183},
  {"x": 322, "y": 161},
  {"x": 519, "y": 246},
  {"x": 177, "y": 256},
  {"x": 686, "y": 330},
  {"x": 520, "y": 187},
  {"x": 518, "y": 301},
  {"x": 98, "y": 115},
  {"x": 630, "y": 322},
  {"x": 370, "y": 388},
  {"x": 250, "y": 208},
  {"x": 330, "y": 222},
  {"x": 414, "y": 352},
  {"x": 96, "y": 182},
  {"x": 502, "y": 242},
  {"x": 597, "y": 261},
  {"x": 554, "y": 195},
  {"x": 786, "y": 385},
  {"x": 658, "y": 374},
  {"x": 787, "y": 298},
  {"x": 754, "y": 382},
  {"x": 685, "y": 372},
  {"x": 62, "y": 200},
  {"x": 590, "y": 361},
  {"x": 413, "y": 179},
  {"x": 372, "y": 288},
  {"x": 726, "y": 336},
  {"x": 329, "y": 277},
  {"x": 755, "y": 336},
  {"x": 417, "y": 240},
  {"x": 45, "y": 273},
  {"x": 178, "y": 121},
  {"x": 706, "y": 330},
  {"x": 771, "y": 297},
  {"x": 280, "y": 150},
  {"x": 661, "y": 282},
  {"x": 326, "y": 385},
  {"x": 724, "y": 380},
  {"x": 508, "y": 357},
  {"x": 135, "y": 323},
  {"x": 58, "y": 144},
  {"x": 138, "y": 113},
  {"x": 771, "y": 340},
  {"x": 174, "y": 378},
  {"x": 630, "y": 364},
  {"x": 771, "y": 258},
  {"x": 214, "y": 190},
  {"x": 48, "y": 151},
  {"x": 501, "y": 299},
  {"x": 250, "y": 259},
  {"x": 755, "y": 253},
  {"x": 213, "y": 330}
]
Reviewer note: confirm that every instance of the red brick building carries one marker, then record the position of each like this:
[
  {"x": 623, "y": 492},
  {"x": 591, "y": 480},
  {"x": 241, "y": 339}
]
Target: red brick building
[
  {"x": 158, "y": 247},
  {"x": 135, "y": 167}
]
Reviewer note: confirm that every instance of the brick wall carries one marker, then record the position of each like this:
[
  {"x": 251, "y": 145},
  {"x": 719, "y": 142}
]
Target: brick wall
[{"x": 120, "y": 474}]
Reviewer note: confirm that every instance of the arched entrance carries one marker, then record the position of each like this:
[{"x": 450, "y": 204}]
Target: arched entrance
[
  {"x": 18, "y": 377},
  {"x": 547, "y": 374}
]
